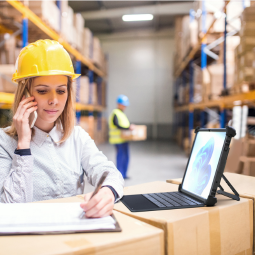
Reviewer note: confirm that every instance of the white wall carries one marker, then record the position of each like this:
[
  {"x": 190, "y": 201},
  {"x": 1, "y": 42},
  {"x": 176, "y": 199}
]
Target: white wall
[{"x": 142, "y": 69}]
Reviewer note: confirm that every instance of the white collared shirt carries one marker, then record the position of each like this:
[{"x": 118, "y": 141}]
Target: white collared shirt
[{"x": 53, "y": 170}]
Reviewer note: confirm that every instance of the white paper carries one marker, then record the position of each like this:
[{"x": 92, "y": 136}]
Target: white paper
[{"x": 48, "y": 217}]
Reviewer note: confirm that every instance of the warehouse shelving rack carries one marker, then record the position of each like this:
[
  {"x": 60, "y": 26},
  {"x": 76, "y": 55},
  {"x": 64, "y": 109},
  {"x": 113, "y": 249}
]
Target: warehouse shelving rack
[
  {"x": 6, "y": 99},
  {"x": 225, "y": 102}
]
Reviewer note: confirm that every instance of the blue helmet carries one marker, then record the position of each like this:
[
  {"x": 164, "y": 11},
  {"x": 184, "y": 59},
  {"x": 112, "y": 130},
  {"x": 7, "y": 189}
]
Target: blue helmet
[{"x": 122, "y": 99}]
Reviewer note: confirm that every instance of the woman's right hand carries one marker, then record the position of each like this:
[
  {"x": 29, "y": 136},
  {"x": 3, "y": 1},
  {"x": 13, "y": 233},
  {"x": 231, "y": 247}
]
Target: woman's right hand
[{"x": 21, "y": 121}]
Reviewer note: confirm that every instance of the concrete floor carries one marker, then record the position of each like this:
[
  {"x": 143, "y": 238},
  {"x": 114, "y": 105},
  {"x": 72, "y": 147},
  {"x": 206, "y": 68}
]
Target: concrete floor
[{"x": 149, "y": 161}]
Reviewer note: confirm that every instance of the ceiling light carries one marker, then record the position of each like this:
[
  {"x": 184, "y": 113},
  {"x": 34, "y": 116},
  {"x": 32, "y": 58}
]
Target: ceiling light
[{"x": 137, "y": 17}]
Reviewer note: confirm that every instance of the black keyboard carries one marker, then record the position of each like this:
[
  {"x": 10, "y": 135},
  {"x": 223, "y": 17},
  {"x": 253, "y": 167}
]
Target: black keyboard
[{"x": 171, "y": 199}]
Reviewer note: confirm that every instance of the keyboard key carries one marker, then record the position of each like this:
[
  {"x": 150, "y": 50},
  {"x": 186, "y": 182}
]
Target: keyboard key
[
  {"x": 154, "y": 201},
  {"x": 177, "y": 200},
  {"x": 183, "y": 199},
  {"x": 180, "y": 196},
  {"x": 170, "y": 200},
  {"x": 191, "y": 199}
]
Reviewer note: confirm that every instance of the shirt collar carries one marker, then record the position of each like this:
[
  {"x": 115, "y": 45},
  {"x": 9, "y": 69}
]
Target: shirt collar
[{"x": 40, "y": 136}]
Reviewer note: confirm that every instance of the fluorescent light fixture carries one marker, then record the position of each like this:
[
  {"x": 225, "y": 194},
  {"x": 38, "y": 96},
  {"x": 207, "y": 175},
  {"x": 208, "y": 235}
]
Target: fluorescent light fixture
[{"x": 137, "y": 17}]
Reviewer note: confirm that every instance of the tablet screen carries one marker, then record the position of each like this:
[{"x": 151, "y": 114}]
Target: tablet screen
[{"x": 203, "y": 163}]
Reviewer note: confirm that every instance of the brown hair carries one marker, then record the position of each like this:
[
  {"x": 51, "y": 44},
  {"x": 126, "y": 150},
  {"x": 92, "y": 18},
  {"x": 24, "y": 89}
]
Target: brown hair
[{"x": 66, "y": 119}]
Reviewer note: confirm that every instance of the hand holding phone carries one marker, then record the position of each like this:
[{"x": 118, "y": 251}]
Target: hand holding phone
[
  {"x": 33, "y": 115},
  {"x": 23, "y": 121}
]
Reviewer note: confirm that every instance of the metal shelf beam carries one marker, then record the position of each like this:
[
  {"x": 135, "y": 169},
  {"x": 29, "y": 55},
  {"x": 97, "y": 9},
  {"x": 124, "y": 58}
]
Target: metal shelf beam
[{"x": 223, "y": 103}]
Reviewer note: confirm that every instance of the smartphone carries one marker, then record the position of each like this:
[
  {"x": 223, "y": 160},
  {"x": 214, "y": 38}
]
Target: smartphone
[{"x": 33, "y": 115}]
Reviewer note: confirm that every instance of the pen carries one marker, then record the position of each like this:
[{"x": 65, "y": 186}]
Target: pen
[{"x": 98, "y": 187}]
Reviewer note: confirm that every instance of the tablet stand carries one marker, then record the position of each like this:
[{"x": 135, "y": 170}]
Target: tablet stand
[{"x": 224, "y": 193}]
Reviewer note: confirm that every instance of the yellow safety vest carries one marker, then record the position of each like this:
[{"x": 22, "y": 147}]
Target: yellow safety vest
[{"x": 114, "y": 132}]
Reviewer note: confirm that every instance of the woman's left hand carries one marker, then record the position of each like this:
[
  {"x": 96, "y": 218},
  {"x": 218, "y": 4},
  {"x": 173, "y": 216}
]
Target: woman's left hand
[{"x": 100, "y": 205}]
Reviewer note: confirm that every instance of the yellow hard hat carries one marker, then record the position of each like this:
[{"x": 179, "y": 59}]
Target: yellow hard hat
[{"x": 43, "y": 58}]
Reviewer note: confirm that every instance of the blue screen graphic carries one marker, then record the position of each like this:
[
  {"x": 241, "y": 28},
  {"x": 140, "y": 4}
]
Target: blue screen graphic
[{"x": 203, "y": 163}]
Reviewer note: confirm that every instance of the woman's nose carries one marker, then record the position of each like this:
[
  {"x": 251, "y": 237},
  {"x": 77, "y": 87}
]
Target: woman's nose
[{"x": 53, "y": 99}]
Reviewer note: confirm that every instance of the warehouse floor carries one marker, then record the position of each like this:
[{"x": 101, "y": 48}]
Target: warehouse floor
[{"x": 149, "y": 161}]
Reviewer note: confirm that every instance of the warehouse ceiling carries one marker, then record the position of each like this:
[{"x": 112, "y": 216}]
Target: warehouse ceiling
[{"x": 105, "y": 17}]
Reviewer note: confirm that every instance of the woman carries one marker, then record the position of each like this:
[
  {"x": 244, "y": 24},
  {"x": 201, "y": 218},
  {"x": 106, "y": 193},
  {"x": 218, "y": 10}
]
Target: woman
[{"x": 49, "y": 161}]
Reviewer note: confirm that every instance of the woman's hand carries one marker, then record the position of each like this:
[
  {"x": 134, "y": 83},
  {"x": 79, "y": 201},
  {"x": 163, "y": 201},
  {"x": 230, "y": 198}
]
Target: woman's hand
[
  {"x": 100, "y": 205},
  {"x": 21, "y": 121}
]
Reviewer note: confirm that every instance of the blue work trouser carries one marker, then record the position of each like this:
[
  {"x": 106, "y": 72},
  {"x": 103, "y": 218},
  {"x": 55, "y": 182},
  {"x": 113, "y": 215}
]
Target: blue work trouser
[{"x": 122, "y": 158}]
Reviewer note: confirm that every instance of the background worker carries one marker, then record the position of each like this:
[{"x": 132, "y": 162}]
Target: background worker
[
  {"x": 50, "y": 160},
  {"x": 118, "y": 121}
]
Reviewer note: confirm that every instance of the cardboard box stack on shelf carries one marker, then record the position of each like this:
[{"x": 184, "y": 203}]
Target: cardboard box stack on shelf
[
  {"x": 244, "y": 53},
  {"x": 87, "y": 43},
  {"x": 68, "y": 32},
  {"x": 6, "y": 84},
  {"x": 186, "y": 37},
  {"x": 198, "y": 84},
  {"x": 241, "y": 159},
  {"x": 78, "y": 27},
  {"x": 85, "y": 88},
  {"x": 98, "y": 55},
  {"x": 47, "y": 11},
  {"x": 100, "y": 130},
  {"x": 9, "y": 52},
  {"x": 97, "y": 128}
]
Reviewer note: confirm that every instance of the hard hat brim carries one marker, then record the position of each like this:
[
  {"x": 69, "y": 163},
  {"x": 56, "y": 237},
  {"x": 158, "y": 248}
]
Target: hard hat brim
[{"x": 46, "y": 73}]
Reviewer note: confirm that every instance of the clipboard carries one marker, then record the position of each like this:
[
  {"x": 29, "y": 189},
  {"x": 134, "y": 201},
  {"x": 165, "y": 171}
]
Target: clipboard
[{"x": 64, "y": 220}]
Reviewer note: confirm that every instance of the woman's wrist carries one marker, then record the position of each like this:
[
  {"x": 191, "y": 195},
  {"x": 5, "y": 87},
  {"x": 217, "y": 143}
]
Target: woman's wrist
[{"x": 23, "y": 145}]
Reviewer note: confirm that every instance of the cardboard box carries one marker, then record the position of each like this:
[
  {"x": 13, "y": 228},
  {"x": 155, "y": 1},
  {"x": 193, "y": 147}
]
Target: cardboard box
[
  {"x": 87, "y": 41},
  {"x": 138, "y": 134},
  {"x": 247, "y": 43},
  {"x": 6, "y": 84},
  {"x": 136, "y": 238},
  {"x": 88, "y": 123},
  {"x": 226, "y": 228},
  {"x": 48, "y": 12},
  {"x": 216, "y": 78},
  {"x": 243, "y": 184}
]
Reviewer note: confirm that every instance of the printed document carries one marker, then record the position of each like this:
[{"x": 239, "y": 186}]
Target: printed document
[{"x": 48, "y": 217}]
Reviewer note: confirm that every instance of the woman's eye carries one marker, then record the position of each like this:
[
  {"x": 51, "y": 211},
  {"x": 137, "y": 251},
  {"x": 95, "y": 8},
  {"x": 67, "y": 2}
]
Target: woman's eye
[
  {"x": 41, "y": 91},
  {"x": 61, "y": 92}
]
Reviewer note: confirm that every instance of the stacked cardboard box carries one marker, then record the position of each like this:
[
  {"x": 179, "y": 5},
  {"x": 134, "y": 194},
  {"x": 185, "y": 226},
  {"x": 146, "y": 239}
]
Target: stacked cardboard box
[
  {"x": 48, "y": 12},
  {"x": 6, "y": 84},
  {"x": 12, "y": 13},
  {"x": 100, "y": 130},
  {"x": 95, "y": 127},
  {"x": 9, "y": 52},
  {"x": 216, "y": 79},
  {"x": 68, "y": 32},
  {"x": 198, "y": 85},
  {"x": 84, "y": 90},
  {"x": 244, "y": 53},
  {"x": 98, "y": 55},
  {"x": 87, "y": 42},
  {"x": 186, "y": 37},
  {"x": 79, "y": 26},
  {"x": 213, "y": 11},
  {"x": 88, "y": 93},
  {"x": 241, "y": 158}
]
